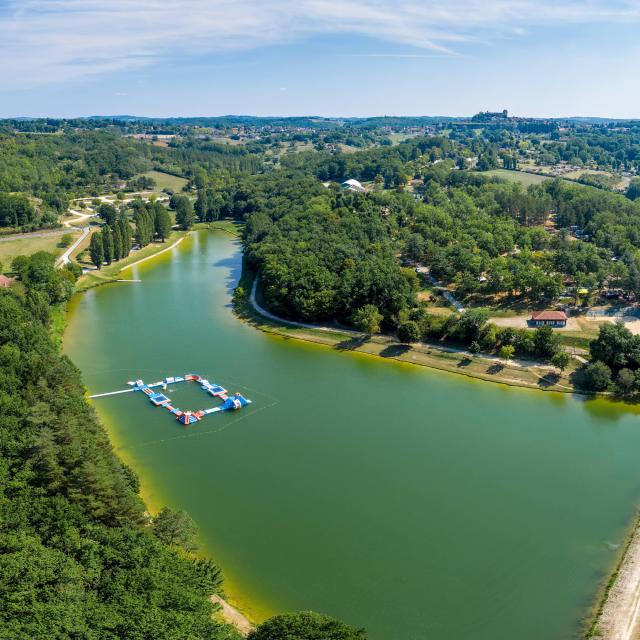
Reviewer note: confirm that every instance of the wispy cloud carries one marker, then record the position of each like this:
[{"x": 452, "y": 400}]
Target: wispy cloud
[{"x": 44, "y": 41}]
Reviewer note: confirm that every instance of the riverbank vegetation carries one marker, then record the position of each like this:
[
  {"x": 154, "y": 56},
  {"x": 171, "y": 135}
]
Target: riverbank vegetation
[{"x": 80, "y": 555}]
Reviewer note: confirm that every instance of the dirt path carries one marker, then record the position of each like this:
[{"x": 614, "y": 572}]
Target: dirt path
[
  {"x": 154, "y": 255},
  {"x": 515, "y": 362},
  {"x": 233, "y": 616},
  {"x": 620, "y": 617}
]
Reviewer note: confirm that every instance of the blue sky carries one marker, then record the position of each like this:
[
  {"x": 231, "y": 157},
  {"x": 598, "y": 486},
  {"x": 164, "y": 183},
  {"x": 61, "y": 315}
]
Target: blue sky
[{"x": 319, "y": 57}]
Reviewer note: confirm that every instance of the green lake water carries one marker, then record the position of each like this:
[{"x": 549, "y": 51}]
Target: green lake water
[{"x": 417, "y": 504}]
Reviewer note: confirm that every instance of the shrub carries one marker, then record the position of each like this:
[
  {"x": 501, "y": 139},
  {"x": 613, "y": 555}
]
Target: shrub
[
  {"x": 305, "y": 625},
  {"x": 597, "y": 376},
  {"x": 409, "y": 332}
]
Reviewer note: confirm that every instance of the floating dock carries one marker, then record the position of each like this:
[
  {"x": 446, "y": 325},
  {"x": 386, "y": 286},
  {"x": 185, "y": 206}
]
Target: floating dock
[{"x": 159, "y": 399}]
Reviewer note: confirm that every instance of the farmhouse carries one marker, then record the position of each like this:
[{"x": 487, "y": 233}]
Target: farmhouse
[{"x": 549, "y": 318}]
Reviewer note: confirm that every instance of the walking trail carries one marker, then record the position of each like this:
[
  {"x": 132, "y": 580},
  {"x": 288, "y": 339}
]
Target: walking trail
[{"x": 267, "y": 314}]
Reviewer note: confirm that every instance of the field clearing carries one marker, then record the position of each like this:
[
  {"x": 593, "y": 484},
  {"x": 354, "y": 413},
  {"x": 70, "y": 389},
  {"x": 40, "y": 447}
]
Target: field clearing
[
  {"x": 9, "y": 249},
  {"x": 166, "y": 180},
  {"x": 515, "y": 176},
  {"x": 620, "y": 181}
]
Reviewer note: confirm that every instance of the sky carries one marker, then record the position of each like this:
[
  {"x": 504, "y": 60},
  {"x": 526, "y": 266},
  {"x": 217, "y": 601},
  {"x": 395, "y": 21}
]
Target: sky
[{"x": 540, "y": 58}]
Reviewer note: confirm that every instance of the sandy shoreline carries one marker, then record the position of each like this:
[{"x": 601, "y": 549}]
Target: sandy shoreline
[
  {"x": 619, "y": 618},
  {"x": 233, "y": 616}
]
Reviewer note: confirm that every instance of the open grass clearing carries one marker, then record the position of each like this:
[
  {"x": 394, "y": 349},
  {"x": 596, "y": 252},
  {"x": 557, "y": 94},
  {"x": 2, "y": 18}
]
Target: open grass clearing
[
  {"x": 515, "y": 176},
  {"x": 26, "y": 246},
  {"x": 166, "y": 180}
]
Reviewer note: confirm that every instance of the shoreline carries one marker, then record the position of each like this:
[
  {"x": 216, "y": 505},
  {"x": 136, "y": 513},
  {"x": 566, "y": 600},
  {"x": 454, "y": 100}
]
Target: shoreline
[
  {"x": 606, "y": 599},
  {"x": 154, "y": 255},
  {"x": 514, "y": 373},
  {"x": 617, "y": 614}
]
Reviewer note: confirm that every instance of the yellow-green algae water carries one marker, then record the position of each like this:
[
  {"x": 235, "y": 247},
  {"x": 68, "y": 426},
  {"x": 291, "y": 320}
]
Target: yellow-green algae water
[{"x": 415, "y": 503}]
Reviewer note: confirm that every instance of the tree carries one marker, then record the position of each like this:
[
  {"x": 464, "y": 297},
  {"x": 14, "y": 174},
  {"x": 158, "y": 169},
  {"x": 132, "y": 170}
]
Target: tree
[
  {"x": 108, "y": 213},
  {"x": 117, "y": 242},
  {"x": 367, "y": 319},
  {"x": 633, "y": 192},
  {"x": 409, "y": 332},
  {"x": 305, "y": 625},
  {"x": 545, "y": 341},
  {"x": 616, "y": 346},
  {"x": 625, "y": 381},
  {"x": 184, "y": 214},
  {"x": 470, "y": 324},
  {"x": 175, "y": 528},
  {"x": 507, "y": 351},
  {"x": 96, "y": 250},
  {"x": 597, "y": 376},
  {"x": 107, "y": 244},
  {"x": 65, "y": 240},
  {"x": 163, "y": 223},
  {"x": 125, "y": 233},
  {"x": 560, "y": 359}
]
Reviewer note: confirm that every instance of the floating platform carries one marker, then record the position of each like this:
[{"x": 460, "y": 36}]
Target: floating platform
[{"x": 158, "y": 399}]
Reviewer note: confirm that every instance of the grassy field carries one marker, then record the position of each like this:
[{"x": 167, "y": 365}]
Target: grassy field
[
  {"x": 516, "y": 176},
  {"x": 9, "y": 249},
  {"x": 166, "y": 180}
]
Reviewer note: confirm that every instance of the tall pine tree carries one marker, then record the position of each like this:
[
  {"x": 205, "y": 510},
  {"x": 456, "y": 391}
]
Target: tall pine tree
[{"x": 96, "y": 250}]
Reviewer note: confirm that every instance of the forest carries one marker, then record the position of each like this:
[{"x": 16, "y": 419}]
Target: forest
[{"x": 80, "y": 557}]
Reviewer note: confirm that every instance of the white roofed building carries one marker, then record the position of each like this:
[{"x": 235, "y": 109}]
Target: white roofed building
[{"x": 353, "y": 185}]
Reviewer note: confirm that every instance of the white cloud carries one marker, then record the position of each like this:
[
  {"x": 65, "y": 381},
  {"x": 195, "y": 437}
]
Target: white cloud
[{"x": 44, "y": 41}]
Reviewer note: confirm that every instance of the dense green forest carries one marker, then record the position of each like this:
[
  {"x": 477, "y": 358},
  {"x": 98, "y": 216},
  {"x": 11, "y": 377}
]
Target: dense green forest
[{"x": 80, "y": 557}]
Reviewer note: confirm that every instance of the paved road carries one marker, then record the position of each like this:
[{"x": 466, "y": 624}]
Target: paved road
[{"x": 65, "y": 258}]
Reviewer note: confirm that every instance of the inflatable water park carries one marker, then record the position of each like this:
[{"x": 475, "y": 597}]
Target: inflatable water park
[{"x": 227, "y": 402}]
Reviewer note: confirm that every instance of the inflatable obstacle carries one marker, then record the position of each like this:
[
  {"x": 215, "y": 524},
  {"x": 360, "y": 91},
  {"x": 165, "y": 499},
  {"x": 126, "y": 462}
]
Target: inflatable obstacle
[{"x": 158, "y": 399}]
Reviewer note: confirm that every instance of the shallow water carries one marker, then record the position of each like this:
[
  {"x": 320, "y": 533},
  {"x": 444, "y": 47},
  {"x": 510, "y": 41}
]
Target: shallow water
[{"x": 414, "y": 503}]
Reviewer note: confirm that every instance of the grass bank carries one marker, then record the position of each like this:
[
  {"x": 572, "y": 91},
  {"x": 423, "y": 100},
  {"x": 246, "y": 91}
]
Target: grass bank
[
  {"x": 110, "y": 272},
  {"x": 443, "y": 358}
]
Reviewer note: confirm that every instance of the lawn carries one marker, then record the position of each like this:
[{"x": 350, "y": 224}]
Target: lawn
[
  {"x": 166, "y": 180},
  {"x": 516, "y": 176},
  {"x": 9, "y": 249}
]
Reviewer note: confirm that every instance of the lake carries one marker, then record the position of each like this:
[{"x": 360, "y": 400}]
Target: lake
[{"x": 415, "y": 503}]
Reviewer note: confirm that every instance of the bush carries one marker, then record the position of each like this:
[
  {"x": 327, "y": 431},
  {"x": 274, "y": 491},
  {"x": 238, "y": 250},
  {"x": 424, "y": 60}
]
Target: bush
[
  {"x": 506, "y": 351},
  {"x": 305, "y": 625},
  {"x": 560, "y": 360},
  {"x": 597, "y": 376},
  {"x": 625, "y": 382},
  {"x": 65, "y": 241},
  {"x": 409, "y": 332}
]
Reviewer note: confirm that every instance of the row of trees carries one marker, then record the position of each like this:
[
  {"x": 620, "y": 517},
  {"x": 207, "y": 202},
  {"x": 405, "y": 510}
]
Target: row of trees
[
  {"x": 112, "y": 243},
  {"x": 152, "y": 221}
]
